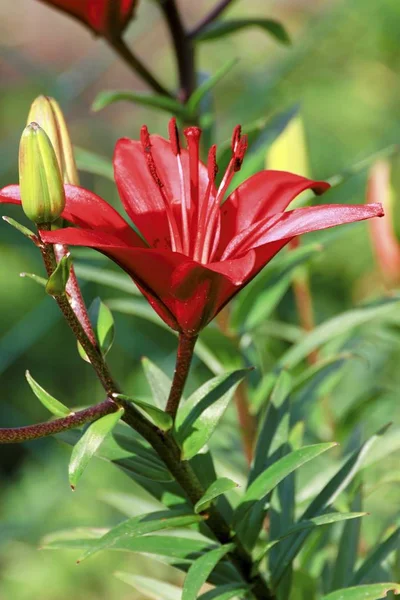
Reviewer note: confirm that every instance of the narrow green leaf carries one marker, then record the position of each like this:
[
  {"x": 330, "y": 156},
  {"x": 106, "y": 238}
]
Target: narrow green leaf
[
  {"x": 325, "y": 499},
  {"x": 349, "y": 542},
  {"x": 203, "y": 89},
  {"x": 275, "y": 418},
  {"x": 220, "y": 486},
  {"x": 40, "y": 280},
  {"x": 159, "y": 382},
  {"x": 156, "y": 101},
  {"x": 339, "y": 325},
  {"x": 199, "y": 416},
  {"x": 160, "y": 418},
  {"x": 201, "y": 569},
  {"x": 142, "y": 525},
  {"x": 173, "y": 546},
  {"x": 220, "y": 29},
  {"x": 327, "y": 519},
  {"x": 114, "y": 279},
  {"x": 375, "y": 591},
  {"x": 89, "y": 443},
  {"x": 376, "y": 558},
  {"x": 93, "y": 163},
  {"x": 103, "y": 326},
  {"x": 274, "y": 474},
  {"x": 151, "y": 588},
  {"x": 226, "y": 592},
  {"x": 58, "y": 280},
  {"x": 54, "y": 406},
  {"x": 21, "y": 228}
]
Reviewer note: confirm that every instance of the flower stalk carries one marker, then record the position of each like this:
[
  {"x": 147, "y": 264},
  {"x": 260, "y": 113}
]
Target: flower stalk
[{"x": 184, "y": 357}]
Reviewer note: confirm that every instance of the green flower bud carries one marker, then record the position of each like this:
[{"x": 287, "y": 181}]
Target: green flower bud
[
  {"x": 47, "y": 113},
  {"x": 41, "y": 187}
]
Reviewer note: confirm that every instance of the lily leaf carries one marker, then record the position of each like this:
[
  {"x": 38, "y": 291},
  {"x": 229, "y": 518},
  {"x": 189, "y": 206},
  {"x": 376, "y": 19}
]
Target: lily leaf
[
  {"x": 103, "y": 327},
  {"x": 274, "y": 474},
  {"x": 199, "y": 416},
  {"x": 159, "y": 382},
  {"x": 220, "y": 29},
  {"x": 89, "y": 443},
  {"x": 201, "y": 569},
  {"x": 142, "y": 525},
  {"x": 218, "y": 487},
  {"x": 203, "y": 89},
  {"x": 156, "y": 101},
  {"x": 160, "y": 418},
  {"x": 54, "y": 406},
  {"x": 375, "y": 591}
]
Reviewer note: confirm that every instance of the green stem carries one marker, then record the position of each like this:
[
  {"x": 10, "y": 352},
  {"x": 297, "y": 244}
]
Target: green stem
[
  {"x": 184, "y": 357},
  {"x": 163, "y": 443}
]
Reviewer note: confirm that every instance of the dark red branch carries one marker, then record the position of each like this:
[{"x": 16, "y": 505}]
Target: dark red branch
[
  {"x": 12, "y": 435},
  {"x": 183, "y": 47},
  {"x": 210, "y": 18}
]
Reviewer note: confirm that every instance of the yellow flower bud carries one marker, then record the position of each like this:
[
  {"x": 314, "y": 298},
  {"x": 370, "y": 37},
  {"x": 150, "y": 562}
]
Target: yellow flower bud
[
  {"x": 47, "y": 113},
  {"x": 41, "y": 187}
]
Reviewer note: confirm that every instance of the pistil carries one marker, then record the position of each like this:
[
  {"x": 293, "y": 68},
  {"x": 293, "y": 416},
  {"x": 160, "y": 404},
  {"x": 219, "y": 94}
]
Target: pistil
[{"x": 176, "y": 149}]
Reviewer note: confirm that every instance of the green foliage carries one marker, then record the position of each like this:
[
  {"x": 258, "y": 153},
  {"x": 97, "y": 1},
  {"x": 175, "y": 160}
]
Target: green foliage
[
  {"x": 218, "y": 487},
  {"x": 222, "y": 28},
  {"x": 199, "y": 416},
  {"x": 89, "y": 443},
  {"x": 201, "y": 569},
  {"x": 52, "y": 404},
  {"x": 103, "y": 326},
  {"x": 160, "y": 418}
]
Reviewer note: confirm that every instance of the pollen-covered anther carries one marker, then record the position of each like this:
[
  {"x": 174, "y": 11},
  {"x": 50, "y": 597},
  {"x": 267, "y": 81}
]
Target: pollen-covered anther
[
  {"x": 236, "y": 135},
  {"x": 146, "y": 144},
  {"x": 240, "y": 153},
  {"x": 174, "y": 136},
  {"x": 212, "y": 167}
]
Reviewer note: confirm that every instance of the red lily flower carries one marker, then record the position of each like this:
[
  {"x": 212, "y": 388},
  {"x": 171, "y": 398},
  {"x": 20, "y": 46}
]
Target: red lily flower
[
  {"x": 198, "y": 251},
  {"x": 104, "y": 17}
]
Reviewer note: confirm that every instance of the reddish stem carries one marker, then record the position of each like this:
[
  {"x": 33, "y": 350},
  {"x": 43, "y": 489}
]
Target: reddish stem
[
  {"x": 12, "y": 435},
  {"x": 184, "y": 357},
  {"x": 74, "y": 291}
]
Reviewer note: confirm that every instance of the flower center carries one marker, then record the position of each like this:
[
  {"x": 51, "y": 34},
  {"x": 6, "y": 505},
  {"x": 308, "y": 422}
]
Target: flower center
[{"x": 197, "y": 234}]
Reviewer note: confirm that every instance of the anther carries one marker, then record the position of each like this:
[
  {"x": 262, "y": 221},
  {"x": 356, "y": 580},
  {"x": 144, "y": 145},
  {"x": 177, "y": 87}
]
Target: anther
[
  {"x": 174, "y": 137},
  {"x": 212, "y": 167},
  {"x": 146, "y": 143},
  {"x": 236, "y": 138},
  {"x": 239, "y": 153}
]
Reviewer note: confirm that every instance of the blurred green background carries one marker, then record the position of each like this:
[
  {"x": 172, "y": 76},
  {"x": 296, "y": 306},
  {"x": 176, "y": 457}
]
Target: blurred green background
[{"x": 343, "y": 69}]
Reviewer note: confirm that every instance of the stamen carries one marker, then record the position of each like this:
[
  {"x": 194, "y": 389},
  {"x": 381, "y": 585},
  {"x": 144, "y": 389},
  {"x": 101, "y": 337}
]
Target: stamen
[
  {"x": 192, "y": 135},
  {"x": 212, "y": 169},
  {"x": 239, "y": 146},
  {"x": 176, "y": 243},
  {"x": 174, "y": 136}
]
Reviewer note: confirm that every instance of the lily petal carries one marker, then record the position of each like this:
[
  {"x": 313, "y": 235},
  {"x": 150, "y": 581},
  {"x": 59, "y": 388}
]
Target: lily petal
[
  {"x": 140, "y": 194},
  {"x": 86, "y": 209},
  {"x": 286, "y": 225},
  {"x": 259, "y": 197}
]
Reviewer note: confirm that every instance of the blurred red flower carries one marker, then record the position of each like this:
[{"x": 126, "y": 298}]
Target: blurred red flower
[
  {"x": 195, "y": 251},
  {"x": 107, "y": 18}
]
